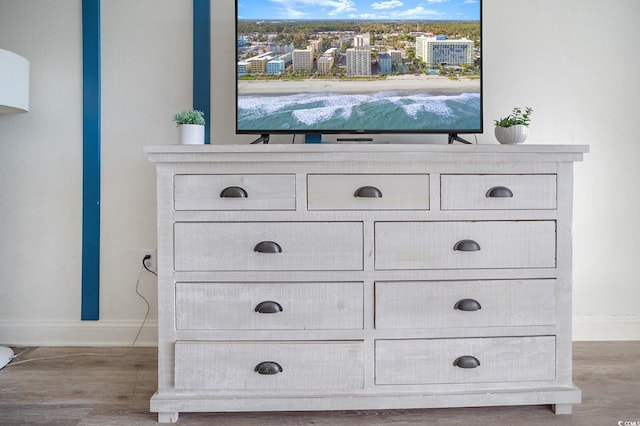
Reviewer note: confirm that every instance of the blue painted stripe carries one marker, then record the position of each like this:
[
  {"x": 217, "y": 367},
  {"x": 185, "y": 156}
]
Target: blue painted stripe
[
  {"x": 202, "y": 62},
  {"x": 91, "y": 160}
]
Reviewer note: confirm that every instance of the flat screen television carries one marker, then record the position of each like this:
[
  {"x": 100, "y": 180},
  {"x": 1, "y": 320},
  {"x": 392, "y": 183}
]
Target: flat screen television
[{"x": 358, "y": 67}]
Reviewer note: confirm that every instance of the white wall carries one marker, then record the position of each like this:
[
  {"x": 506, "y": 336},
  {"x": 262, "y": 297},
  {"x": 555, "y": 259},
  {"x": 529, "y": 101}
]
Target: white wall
[
  {"x": 40, "y": 169},
  {"x": 146, "y": 77},
  {"x": 573, "y": 61}
]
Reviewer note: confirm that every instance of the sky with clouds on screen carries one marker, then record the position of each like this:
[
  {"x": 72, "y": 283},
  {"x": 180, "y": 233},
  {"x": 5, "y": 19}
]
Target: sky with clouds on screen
[{"x": 360, "y": 9}]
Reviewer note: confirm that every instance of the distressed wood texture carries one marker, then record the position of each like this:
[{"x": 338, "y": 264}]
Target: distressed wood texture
[
  {"x": 500, "y": 244},
  {"x": 332, "y": 366},
  {"x": 301, "y": 245},
  {"x": 474, "y": 192},
  {"x": 427, "y": 290},
  {"x": 302, "y": 306},
  {"x": 501, "y": 359},
  {"x": 422, "y": 304},
  {"x": 260, "y": 192},
  {"x": 396, "y": 192}
]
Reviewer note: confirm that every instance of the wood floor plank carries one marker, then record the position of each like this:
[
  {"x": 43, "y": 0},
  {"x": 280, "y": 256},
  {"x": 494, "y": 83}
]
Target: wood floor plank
[
  {"x": 115, "y": 390},
  {"x": 39, "y": 414}
]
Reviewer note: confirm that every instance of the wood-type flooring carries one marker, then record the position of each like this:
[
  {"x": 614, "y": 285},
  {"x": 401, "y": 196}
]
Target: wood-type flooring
[{"x": 115, "y": 390}]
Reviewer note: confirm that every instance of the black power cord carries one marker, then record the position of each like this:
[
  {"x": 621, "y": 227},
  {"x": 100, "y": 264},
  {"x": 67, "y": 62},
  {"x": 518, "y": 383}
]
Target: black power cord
[{"x": 144, "y": 264}]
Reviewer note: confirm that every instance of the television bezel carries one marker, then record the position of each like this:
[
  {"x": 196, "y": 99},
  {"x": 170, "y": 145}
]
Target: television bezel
[{"x": 264, "y": 134}]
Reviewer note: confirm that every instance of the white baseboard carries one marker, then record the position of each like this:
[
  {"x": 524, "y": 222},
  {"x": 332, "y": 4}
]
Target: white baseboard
[
  {"x": 606, "y": 327},
  {"x": 122, "y": 333},
  {"x": 78, "y": 333}
]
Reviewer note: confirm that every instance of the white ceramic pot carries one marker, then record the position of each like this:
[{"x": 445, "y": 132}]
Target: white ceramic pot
[
  {"x": 512, "y": 134},
  {"x": 191, "y": 134}
]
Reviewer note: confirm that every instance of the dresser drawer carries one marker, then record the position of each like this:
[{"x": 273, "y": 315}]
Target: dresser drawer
[
  {"x": 268, "y": 246},
  {"x": 265, "y": 306},
  {"x": 498, "y": 192},
  {"x": 235, "y": 192},
  {"x": 479, "y": 360},
  {"x": 266, "y": 366},
  {"x": 465, "y": 245},
  {"x": 448, "y": 304},
  {"x": 368, "y": 192}
]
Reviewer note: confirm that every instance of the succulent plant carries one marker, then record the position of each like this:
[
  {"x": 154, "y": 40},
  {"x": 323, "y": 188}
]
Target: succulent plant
[{"x": 189, "y": 117}]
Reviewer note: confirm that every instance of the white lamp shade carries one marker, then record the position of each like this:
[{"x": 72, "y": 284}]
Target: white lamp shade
[{"x": 14, "y": 82}]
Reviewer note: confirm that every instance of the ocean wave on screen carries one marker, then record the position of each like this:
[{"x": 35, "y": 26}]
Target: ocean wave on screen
[
  {"x": 327, "y": 107},
  {"x": 380, "y": 110},
  {"x": 313, "y": 116},
  {"x": 439, "y": 105},
  {"x": 257, "y": 106}
]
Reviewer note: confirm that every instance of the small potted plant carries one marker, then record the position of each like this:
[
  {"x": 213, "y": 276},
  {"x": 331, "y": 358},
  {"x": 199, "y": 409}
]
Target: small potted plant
[
  {"x": 514, "y": 128},
  {"x": 190, "y": 127}
]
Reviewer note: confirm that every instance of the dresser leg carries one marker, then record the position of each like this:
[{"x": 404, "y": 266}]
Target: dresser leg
[
  {"x": 562, "y": 408},
  {"x": 168, "y": 417}
]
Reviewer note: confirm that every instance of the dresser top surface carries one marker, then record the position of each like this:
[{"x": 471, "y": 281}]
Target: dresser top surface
[{"x": 365, "y": 152}]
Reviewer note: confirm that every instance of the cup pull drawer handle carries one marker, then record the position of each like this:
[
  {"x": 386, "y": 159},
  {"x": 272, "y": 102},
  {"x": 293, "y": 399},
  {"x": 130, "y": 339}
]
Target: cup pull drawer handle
[
  {"x": 466, "y": 361},
  {"x": 234, "y": 192},
  {"x": 268, "y": 367},
  {"x": 268, "y": 247},
  {"x": 268, "y": 307},
  {"x": 468, "y": 305},
  {"x": 368, "y": 192},
  {"x": 499, "y": 192},
  {"x": 467, "y": 245}
]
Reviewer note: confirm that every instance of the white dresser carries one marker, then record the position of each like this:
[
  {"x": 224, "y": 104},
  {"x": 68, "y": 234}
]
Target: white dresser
[{"x": 337, "y": 277}]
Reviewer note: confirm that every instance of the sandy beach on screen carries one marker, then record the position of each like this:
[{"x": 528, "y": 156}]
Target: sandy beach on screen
[{"x": 422, "y": 83}]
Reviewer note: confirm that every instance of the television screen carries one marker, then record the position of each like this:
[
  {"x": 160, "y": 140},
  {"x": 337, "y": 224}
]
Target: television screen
[{"x": 358, "y": 66}]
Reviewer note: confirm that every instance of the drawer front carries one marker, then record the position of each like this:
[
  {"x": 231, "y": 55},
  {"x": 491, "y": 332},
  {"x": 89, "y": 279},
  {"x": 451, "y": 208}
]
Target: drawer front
[
  {"x": 235, "y": 192},
  {"x": 465, "y": 245},
  {"x": 375, "y": 192},
  {"x": 498, "y": 192},
  {"x": 282, "y": 366},
  {"x": 300, "y": 306},
  {"x": 235, "y": 246},
  {"x": 447, "y": 304},
  {"x": 480, "y": 360}
]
